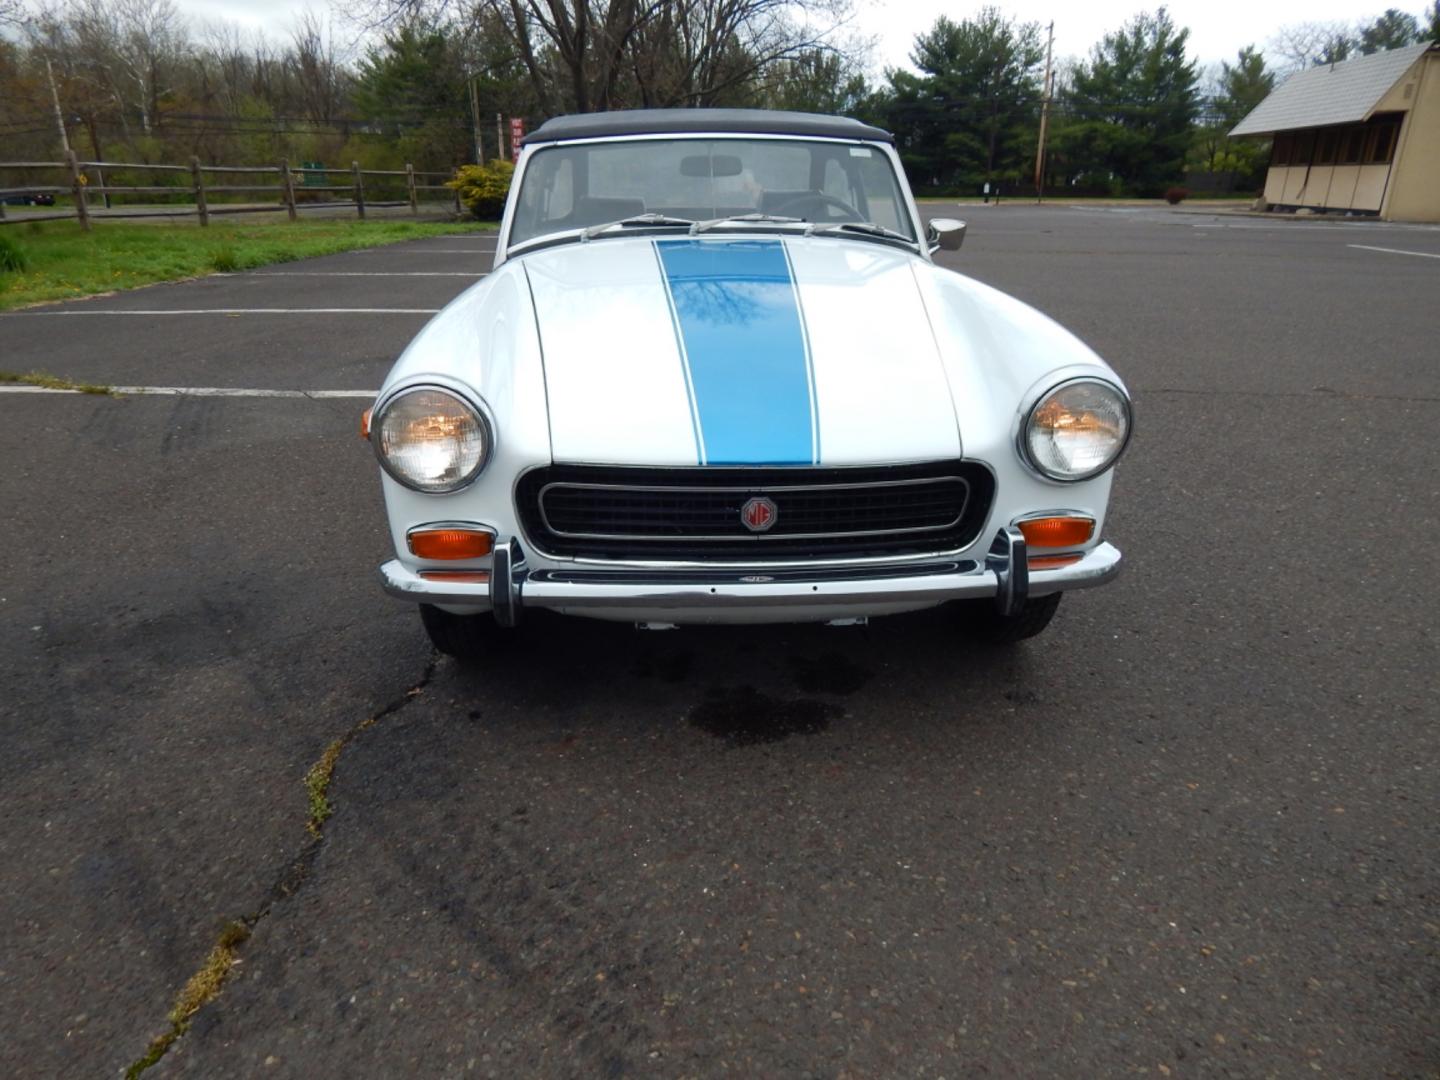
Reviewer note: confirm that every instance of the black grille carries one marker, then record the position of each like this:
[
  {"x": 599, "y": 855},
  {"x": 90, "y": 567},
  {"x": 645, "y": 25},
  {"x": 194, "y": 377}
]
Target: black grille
[{"x": 620, "y": 512}]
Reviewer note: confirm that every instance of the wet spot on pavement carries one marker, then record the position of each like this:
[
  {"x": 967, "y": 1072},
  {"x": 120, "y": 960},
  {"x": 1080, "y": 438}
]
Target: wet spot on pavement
[
  {"x": 671, "y": 668},
  {"x": 832, "y": 673},
  {"x": 744, "y": 716}
]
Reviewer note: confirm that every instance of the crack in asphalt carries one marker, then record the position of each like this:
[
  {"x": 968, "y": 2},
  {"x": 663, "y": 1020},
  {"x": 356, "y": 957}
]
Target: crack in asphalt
[{"x": 205, "y": 984}]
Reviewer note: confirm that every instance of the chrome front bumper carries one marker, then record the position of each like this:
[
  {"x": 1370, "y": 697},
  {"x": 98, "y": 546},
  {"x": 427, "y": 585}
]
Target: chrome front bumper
[{"x": 742, "y": 596}]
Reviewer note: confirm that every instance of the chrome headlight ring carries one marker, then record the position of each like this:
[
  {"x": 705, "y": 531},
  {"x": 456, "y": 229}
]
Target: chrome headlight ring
[
  {"x": 432, "y": 437},
  {"x": 1073, "y": 410}
]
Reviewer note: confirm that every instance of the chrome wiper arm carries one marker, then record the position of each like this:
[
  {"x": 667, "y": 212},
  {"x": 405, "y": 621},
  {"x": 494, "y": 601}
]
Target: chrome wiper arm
[
  {"x": 636, "y": 222},
  {"x": 744, "y": 219},
  {"x": 862, "y": 228}
]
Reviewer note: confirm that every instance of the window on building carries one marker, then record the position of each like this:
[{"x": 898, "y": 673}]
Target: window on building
[
  {"x": 1304, "y": 148},
  {"x": 1380, "y": 147},
  {"x": 1352, "y": 149},
  {"x": 1280, "y": 154},
  {"x": 1327, "y": 147}
]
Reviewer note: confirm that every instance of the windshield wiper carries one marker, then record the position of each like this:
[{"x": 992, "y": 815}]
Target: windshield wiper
[
  {"x": 639, "y": 221},
  {"x": 744, "y": 219},
  {"x": 862, "y": 228}
]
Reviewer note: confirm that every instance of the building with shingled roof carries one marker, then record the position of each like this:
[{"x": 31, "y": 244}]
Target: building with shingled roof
[{"x": 1358, "y": 137}]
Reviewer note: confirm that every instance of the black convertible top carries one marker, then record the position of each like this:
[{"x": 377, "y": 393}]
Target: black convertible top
[{"x": 693, "y": 121}]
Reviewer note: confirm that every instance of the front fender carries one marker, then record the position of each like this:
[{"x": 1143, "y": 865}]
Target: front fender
[{"x": 485, "y": 345}]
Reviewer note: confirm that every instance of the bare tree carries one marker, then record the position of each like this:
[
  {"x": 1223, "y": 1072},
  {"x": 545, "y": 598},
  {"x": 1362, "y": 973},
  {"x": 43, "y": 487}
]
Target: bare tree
[
  {"x": 320, "y": 78},
  {"x": 1302, "y": 45},
  {"x": 697, "y": 52},
  {"x": 77, "y": 59},
  {"x": 152, "y": 37},
  {"x": 13, "y": 13},
  {"x": 223, "y": 66},
  {"x": 125, "y": 49},
  {"x": 585, "y": 55}
]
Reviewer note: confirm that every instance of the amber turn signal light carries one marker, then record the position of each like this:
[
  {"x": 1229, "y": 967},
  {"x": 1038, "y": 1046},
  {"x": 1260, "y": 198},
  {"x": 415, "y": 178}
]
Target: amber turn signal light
[
  {"x": 450, "y": 543},
  {"x": 365, "y": 424},
  {"x": 462, "y": 577},
  {"x": 1057, "y": 532},
  {"x": 1052, "y": 562}
]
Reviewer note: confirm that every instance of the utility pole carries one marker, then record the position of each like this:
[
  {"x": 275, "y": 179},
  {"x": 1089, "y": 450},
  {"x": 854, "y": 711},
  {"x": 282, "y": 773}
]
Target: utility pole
[
  {"x": 500, "y": 135},
  {"x": 1045, "y": 96},
  {"x": 475, "y": 119},
  {"x": 59, "y": 116}
]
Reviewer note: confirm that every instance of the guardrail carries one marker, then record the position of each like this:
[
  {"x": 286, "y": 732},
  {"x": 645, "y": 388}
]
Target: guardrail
[{"x": 82, "y": 191}]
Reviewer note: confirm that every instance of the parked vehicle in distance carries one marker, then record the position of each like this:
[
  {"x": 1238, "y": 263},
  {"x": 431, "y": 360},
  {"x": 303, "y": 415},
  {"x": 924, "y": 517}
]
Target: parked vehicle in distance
[
  {"x": 715, "y": 376},
  {"x": 43, "y": 198}
]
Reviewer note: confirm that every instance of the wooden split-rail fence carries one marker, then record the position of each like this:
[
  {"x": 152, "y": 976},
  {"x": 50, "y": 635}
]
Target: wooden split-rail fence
[{"x": 291, "y": 190}]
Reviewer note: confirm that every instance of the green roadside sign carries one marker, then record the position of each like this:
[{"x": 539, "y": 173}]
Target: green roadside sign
[{"x": 312, "y": 179}]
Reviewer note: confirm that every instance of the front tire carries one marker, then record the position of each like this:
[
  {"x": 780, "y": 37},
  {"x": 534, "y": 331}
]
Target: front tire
[
  {"x": 985, "y": 624},
  {"x": 468, "y": 638}
]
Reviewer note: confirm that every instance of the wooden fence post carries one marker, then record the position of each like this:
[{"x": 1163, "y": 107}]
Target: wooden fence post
[
  {"x": 459, "y": 207},
  {"x": 202, "y": 208},
  {"x": 287, "y": 179},
  {"x": 410, "y": 188},
  {"x": 77, "y": 186},
  {"x": 359, "y": 190}
]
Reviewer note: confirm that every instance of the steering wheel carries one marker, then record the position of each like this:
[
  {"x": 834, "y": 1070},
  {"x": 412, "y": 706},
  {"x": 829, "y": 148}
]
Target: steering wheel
[{"x": 813, "y": 205}]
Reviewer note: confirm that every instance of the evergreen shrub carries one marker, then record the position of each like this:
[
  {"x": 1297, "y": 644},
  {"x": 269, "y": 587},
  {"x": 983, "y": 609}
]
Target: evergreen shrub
[{"x": 483, "y": 188}]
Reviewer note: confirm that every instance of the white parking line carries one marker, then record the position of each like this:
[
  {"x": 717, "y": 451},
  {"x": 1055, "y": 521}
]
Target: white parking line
[
  {"x": 195, "y": 391},
  {"x": 426, "y": 251},
  {"x": 1395, "y": 251},
  {"x": 357, "y": 273},
  {"x": 1296, "y": 227},
  {"x": 226, "y": 311}
]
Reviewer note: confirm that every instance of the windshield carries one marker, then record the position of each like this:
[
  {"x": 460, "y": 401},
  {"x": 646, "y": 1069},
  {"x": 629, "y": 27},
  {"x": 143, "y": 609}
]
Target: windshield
[{"x": 577, "y": 186}]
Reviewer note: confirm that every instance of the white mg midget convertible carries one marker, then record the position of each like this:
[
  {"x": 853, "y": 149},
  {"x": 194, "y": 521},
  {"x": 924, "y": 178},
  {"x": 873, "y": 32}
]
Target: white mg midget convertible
[{"x": 716, "y": 377}]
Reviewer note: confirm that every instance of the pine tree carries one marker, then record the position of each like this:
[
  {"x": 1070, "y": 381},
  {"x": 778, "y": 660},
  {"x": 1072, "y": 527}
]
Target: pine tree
[
  {"x": 970, "y": 115},
  {"x": 1243, "y": 85},
  {"x": 1392, "y": 30},
  {"x": 1132, "y": 108}
]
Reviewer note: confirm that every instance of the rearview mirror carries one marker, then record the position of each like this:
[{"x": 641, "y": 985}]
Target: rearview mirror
[
  {"x": 945, "y": 234},
  {"x": 708, "y": 165}
]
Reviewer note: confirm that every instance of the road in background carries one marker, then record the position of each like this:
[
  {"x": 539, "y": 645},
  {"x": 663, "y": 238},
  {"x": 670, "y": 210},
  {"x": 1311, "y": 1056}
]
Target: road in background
[{"x": 1190, "y": 830}]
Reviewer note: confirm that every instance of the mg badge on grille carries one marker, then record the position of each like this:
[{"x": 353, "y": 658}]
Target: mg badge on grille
[{"x": 759, "y": 514}]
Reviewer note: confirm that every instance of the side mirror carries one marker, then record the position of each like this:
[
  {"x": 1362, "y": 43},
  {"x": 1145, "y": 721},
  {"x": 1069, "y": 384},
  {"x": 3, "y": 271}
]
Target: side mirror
[{"x": 945, "y": 234}]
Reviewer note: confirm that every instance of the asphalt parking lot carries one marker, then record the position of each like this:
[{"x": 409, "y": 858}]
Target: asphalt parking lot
[{"x": 1190, "y": 831}]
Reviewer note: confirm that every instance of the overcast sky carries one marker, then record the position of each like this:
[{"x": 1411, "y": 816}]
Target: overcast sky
[{"x": 1218, "y": 28}]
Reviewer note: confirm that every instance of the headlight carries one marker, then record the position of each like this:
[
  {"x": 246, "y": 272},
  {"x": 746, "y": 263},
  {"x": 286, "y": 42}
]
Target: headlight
[
  {"x": 431, "y": 440},
  {"x": 1077, "y": 430}
]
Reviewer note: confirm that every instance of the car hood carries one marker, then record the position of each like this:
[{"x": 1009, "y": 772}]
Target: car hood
[{"x": 739, "y": 351}]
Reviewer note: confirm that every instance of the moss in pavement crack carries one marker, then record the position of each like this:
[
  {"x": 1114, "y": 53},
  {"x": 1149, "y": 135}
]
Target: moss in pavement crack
[
  {"x": 202, "y": 988},
  {"x": 55, "y": 382},
  {"x": 206, "y": 983},
  {"x": 317, "y": 780}
]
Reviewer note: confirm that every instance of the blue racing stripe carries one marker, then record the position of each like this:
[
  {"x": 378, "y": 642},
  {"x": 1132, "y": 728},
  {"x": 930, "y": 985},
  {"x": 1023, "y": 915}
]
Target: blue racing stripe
[{"x": 738, "y": 314}]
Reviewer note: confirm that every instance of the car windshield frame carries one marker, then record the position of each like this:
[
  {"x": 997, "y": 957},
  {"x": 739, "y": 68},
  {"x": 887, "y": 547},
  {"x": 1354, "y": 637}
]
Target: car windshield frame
[{"x": 869, "y": 171}]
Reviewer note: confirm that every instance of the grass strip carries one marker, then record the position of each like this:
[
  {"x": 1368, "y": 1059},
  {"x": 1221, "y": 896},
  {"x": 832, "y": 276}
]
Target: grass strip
[
  {"x": 55, "y": 382},
  {"x": 61, "y": 262}
]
